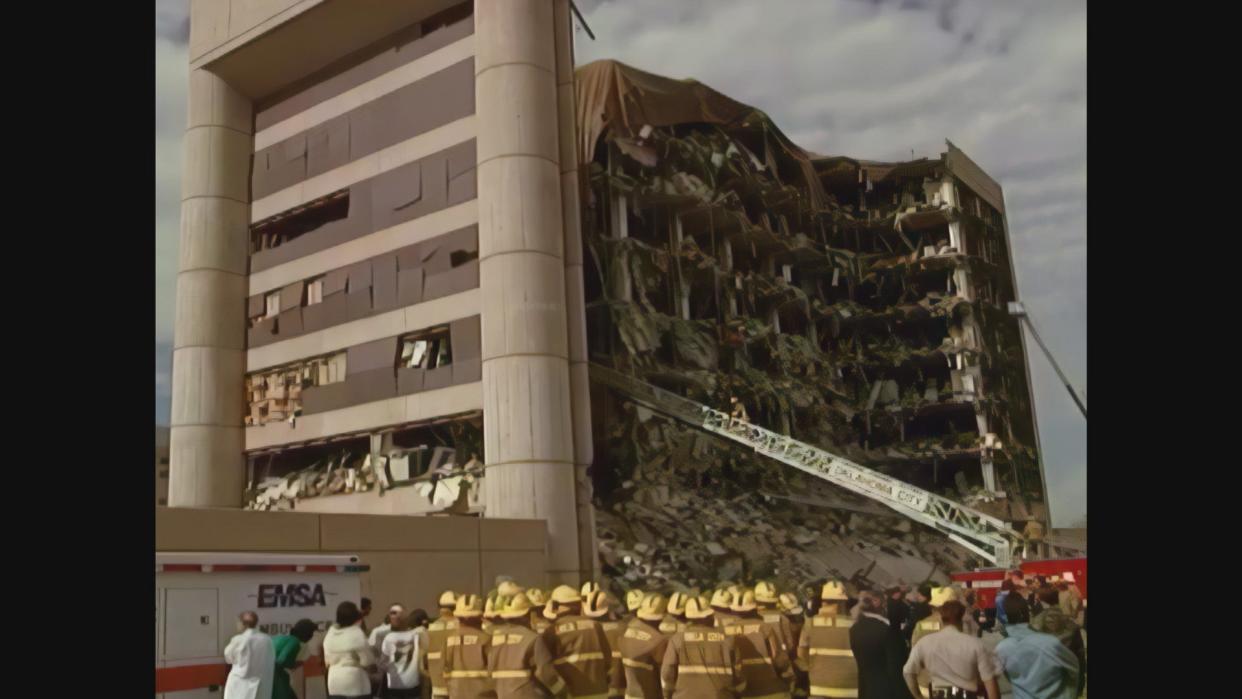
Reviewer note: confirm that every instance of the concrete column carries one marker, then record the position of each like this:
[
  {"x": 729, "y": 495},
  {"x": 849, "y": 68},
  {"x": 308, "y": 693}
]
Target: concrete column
[
  {"x": 527, "y": 408},
  {"x": 206, "y": 465},
  {"x": 575, "y": 291}
]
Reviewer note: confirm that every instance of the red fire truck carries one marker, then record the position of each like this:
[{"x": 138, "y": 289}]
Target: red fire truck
[{"x": 986, "y": 582}]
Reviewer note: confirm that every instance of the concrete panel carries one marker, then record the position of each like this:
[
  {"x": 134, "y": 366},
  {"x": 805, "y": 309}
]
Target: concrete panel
[
  {"x": 527, "y": 406},
  {"x": 206, "y": 465},
  {"x": 203, "y": 529},
  {"x": 575, "y": 302},
  {"x": 370, "y": 416},
  {"x": 525, "y": 207},
  {"x": 209, "y": 308},
  {"x": 521, "y": 118},
  {"x": 365, "y": 167},
  {"x": 539, "y": 491},
  {"x": 445, "y": 401},
  {"x": 580, "y": 389},
  {"x": 209, "y": 25},
  {"x": 524, "y": 305},
  {"x": 216, "y": 104},
  {"x": 228, "y": 153},
  {"x": 514, "y": 30},
  {"x": 416, "y": 578},
  {"x": 210, "y": 392},
  {"x": 512, "y": 535},
  {"x": 368, "y": 533},
  {"x": 344, "y": 335},
  {"x": 571, "y": 217},
  {"x": 399, "y": 501},
  {"x": 214, "y": 235}
]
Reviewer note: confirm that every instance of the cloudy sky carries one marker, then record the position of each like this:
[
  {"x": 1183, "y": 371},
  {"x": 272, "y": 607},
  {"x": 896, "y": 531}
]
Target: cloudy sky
[{"x": 1006, "y": 82}]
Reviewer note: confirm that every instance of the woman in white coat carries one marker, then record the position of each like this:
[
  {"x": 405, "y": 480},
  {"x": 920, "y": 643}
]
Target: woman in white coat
[
  {"x": 348, "y": 655},
  {"x": 253, "y": 662}
]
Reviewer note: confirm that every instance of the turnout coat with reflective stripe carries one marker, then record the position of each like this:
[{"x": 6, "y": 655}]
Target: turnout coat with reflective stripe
[
  {"x": 466, "y": 651},
  {"x": 616, "y": 673},
  {"x": 701, "y": 662},
  {"x": 824, "y": 650},
  {"x": 520, "y": 664},
  {"x": 765, "y": 662},
  {"x": 642, "y": 649},
  {"x": 581, "y": 654},
  {"x": 433, "y": 663}
]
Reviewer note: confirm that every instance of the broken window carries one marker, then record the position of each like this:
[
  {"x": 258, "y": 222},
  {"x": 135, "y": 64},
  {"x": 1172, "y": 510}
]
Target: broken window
[
  {"x": 279, "y": 229},
  {"x": 275, "y": 394},
  {"x": 271, "y": 304},
  {"x": 314, "y": 291},
  {"x": 426, "y": 349}
]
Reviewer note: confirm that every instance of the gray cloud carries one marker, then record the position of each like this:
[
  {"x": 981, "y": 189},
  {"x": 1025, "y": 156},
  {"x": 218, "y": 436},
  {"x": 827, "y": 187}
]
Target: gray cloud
[{"x": 868, "y": 78}]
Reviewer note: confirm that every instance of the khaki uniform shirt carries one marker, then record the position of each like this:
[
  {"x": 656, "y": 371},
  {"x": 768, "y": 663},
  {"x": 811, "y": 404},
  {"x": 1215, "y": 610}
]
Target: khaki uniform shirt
[
  {"x": 952, "y": 659},
  {"x": 701, "y": 662},
  {"x": 642, "y": 649},
  {"x": 465, "y": 664},
  {"x": 520, "y": 664},
  {"x": 433, "y": 665},
  {"x": 581, "y": 654},
  {"x": 765, "y": 660},
  {"x": 616, "y": 672},
  {"x": 824, "y": 649}
]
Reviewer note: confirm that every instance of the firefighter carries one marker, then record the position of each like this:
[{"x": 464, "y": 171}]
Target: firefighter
[
  {"x": 466, "y": 653},
  {"x": 765, "y": 595},
  {"x": 579, "y": 647},
  {"x": 642, "y": 647},
  {"x": 701, "y": 661},
  {"x": 437, "y": 632},
  {"x": 932, "y": 624},
  {"x": 491, "y": 611},
  {"x": 722, "y": 607},
  {"x": 791, "y": 609},
  {"x": 520, "y": 663},
  {"x": 598, "y": 606},
  {"x": 765, "y": 659},
  {"x": 824, "y": 647},
  {"x": 633, "y": 600},
  {"x": 537, "y": 599},
  {"x": 675, "y": 616}
]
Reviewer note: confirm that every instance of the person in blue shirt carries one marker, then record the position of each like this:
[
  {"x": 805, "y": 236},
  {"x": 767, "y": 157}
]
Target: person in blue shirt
[{"x": 1037, "y": 664}]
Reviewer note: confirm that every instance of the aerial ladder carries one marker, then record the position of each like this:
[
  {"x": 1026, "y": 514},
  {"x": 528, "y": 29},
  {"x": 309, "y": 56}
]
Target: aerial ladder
[{"x": 987, "y": 536}]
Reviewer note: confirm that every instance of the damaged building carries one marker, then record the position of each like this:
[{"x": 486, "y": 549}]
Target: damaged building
[{"x": 429, "y": 268}]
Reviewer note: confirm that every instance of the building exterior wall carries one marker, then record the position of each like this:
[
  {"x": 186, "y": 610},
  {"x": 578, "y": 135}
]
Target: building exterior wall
[
  {"x": 389, "y": 171},
  {"x": 412, "y": 559}
]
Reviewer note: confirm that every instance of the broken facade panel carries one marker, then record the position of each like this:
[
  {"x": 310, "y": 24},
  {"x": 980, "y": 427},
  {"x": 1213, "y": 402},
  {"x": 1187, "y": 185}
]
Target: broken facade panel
[{"x": 854, "y": 305}]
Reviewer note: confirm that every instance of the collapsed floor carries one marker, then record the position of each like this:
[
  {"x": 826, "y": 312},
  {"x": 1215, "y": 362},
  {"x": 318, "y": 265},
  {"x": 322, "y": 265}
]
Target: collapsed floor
[{"x": 854, "y": 305}]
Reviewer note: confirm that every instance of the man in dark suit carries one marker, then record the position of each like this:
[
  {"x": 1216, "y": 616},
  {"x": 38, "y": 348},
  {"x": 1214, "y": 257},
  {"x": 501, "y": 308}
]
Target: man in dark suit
[{"x": 875, "y": 644}]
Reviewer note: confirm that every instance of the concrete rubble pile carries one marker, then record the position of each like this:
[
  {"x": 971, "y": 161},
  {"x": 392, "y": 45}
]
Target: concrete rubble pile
[{"x": 697, "y": 512}]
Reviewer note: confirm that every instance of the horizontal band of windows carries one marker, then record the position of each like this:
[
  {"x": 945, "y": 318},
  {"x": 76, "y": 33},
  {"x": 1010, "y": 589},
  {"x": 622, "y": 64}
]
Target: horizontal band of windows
[
  {"x": 368, "y": 91},
  {"x": 415, "y": 110},
  {"x": 368, "y": 416},
  {"x": 365, "y": 167}
]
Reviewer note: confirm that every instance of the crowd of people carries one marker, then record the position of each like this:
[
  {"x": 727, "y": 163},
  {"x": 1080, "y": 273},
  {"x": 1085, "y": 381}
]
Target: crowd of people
[{"x": 732, "y": 642}]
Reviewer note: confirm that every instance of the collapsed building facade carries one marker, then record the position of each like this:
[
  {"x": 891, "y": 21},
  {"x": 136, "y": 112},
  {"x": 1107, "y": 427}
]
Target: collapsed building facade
[
  {"x": 407, "y": 255},
  {"x": 854, "y": 305}
]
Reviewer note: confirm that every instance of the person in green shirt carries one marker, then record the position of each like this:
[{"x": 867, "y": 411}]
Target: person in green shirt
[{"x": 287, "y": 648}]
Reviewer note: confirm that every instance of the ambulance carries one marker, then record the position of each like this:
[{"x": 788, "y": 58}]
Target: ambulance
[{"x": 198, "y": 597}]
